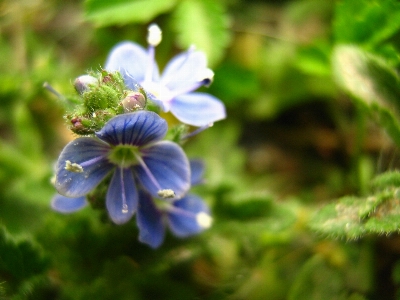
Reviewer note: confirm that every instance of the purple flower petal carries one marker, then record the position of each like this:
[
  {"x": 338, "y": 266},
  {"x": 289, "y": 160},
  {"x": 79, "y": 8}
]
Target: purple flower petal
[
  {"x": 150, "y": 221},
  {"x": 67, "y": 205},
  {"x": 90, "y": 154},
  {"x": 122, "y": 196},
  {"x": 196, "y": 171},
  {"x": 130, "y": 59},
  {"x": 137, "y": 128},
  {"x": 197, "y": 109},
  {"x": 184, "y": 70},
  {"x": 167, "y": 168},
  {"x": 183, "y": 219}
]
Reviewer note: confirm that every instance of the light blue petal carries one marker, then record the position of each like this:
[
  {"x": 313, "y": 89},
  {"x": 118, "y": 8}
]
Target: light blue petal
[
  {"x": 137, "y": 128},
  {"x": 184, "y": 70},
  {"x": 150, "y": 222},
  {"x": 182, "y": 220},
  {"x": 196, "y": 171},
  {"x": 122, "y": 196},
  {"x": 169, "y": 168},
  {"x": 90, "y": 154},
  {"x": 130, "y": 59},
  {"x": 197, "y": 109},
  {"x": 67, "y": 205}
]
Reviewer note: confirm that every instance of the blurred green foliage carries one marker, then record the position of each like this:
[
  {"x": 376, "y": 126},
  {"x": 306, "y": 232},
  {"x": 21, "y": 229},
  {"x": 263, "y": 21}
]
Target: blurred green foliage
[{"x": 302, "y": 176}]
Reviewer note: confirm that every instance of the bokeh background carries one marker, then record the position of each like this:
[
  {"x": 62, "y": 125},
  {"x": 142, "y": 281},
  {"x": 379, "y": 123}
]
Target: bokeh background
[{"x": 311, "y": 91}]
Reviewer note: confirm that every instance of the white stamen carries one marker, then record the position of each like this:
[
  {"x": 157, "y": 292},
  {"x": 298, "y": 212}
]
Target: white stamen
[
  {"x": 73, "y": 167},
  {"x": 124, "y": 208},
  {"x": 166, "y": 193},
  {"x": 154, "y": 35},
  {"x": 204, "y": 220}
]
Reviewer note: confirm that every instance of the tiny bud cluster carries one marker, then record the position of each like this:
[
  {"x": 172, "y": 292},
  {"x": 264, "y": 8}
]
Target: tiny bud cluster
[{"x": 102, "y": 95}]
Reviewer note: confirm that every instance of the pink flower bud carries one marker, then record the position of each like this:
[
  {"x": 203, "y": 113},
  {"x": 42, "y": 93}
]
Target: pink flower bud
[{"x": 133, "y": 101}]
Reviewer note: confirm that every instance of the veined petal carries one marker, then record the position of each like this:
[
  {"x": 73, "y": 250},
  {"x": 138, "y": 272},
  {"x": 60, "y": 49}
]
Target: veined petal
[
  {"x": 88, "y": 157},
  {"x": 197, "y": 109},
  {"x": 67, "y": 205},
  {"x": 122, "y": 196},
  {"x": 167, "y": 168},
  {"x": 137, "y": 128},
  {"x": 150, "y": 221},
  {"x": 184, "y": 70},
  {"x": 196, "y": 171},
  {"x": 186, "y": 217},
  {"x": 130, "y": 59}
]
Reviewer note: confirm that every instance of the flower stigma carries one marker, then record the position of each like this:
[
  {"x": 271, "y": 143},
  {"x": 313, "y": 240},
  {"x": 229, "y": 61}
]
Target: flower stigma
[
  {"x": 124, "y": 155},
  {"x": 73, "y": 167}
]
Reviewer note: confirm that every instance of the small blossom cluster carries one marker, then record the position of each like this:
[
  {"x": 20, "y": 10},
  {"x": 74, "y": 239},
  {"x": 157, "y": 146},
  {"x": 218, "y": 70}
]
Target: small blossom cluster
[{"x": 122, "y": 157}]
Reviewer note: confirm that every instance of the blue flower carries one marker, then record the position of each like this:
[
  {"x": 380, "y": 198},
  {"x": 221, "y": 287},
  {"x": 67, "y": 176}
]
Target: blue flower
[
  {"x": 129, "y": 145},
  {"x": 185, "y": 73},
  {"x": 185, "y": 217},
  {"x": 68, "y": 205}
]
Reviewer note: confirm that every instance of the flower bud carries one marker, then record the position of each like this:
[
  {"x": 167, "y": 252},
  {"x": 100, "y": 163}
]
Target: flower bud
[
  {"x": 82, "y": 83},
  {"x": 133, "y": 101}
]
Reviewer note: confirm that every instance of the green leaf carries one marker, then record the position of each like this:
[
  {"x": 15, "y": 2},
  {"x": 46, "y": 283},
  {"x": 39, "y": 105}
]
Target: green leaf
[
  {"x": 340, "y": 219},
  {"x": 20, "y": 259},
  {"x": 233, "y": 83},
  {"x": 121, "y": 12},
  {"x": 366, "y": 76},
  {"x": 387, "y": 179},
  {"x": 28, "y": 135},
  {"x": 352, "y": 217},
  {"x": 388, "y": 120},
  {"x": 205, "y": 24},
  {"x": 318, "y": 280},
  {"x": 372, "y": 82},
  {"x": 365, "y": 21}
]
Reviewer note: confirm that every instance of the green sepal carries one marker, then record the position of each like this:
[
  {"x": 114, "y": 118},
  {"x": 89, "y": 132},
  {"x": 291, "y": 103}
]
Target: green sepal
[
  {"x": 177, "y": 132},
  {"x": 101, "y": 97},
  {"x": 99, "y": 103}
]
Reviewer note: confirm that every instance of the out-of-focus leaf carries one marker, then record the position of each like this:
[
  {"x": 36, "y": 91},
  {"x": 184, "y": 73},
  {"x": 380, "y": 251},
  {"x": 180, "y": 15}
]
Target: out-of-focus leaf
[
  {"x": 389, "y": 121},
  {"x": 235, "y": 84},
  {"x": 387, "y": 179},
  {"x": 29, "y": 139},
  {"x": 19, "y": 260},
  {"x": 121, "y": 12},
  {"x": 364, "y": 21},
  {"x": 371, "y": 81},
  {"x": 366, "y": 76},
  {"x": 352, "y": 217},
  {"x": 317, "y": 280},
  {"x": 339, "y": 219},
  {"x": 205, "y": 24},
  {"x": 314, "y": 60}
]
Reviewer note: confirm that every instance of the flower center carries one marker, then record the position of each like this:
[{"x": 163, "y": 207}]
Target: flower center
[
  {"x": 158, "y": 90},
  {"x": 124, "y": 155}
]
